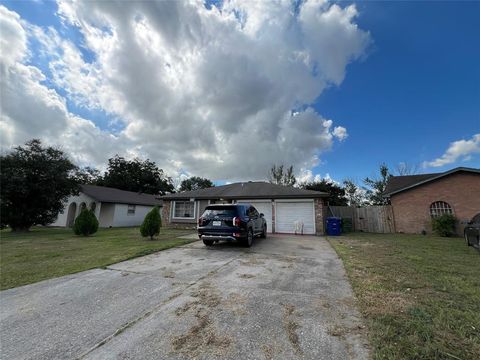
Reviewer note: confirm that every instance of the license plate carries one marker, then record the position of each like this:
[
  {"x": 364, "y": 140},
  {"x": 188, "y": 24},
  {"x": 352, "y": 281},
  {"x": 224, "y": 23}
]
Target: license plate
[{"x": 217, "y": 223}]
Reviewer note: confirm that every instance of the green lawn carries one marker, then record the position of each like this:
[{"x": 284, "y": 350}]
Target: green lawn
[
  {"x": 45, "y": 253},
  {"x": 419, "y": 294}
]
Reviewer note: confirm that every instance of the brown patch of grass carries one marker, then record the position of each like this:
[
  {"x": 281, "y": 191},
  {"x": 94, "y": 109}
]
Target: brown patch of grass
[
  {"x": 183, "y": 309},
  {"x": 287, "y": 259},
  {"x": 268, "y": 351},
  {"x": 203, "y": 336},
  {"x": 389, "y": 302},
  {"x": 252, "y": 261},
  {"x": 236, "y": 303},
  {"x": 291, "y": 327},
  {"x": 289, "y": 309},
  {"x": 337, "y": 330},
  {"x": 321, "y": 304},
  {"x": 207, "y": 295}
]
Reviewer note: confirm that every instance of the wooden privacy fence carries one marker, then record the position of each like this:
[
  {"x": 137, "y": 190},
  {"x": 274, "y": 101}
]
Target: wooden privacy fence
[{"x": 375, "y": 219}]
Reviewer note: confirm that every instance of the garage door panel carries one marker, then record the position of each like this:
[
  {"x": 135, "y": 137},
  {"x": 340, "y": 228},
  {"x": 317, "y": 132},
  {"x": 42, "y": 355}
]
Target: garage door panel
[
  {"x": 265, "y": 208},
  {"x": 287, "y": 213}
]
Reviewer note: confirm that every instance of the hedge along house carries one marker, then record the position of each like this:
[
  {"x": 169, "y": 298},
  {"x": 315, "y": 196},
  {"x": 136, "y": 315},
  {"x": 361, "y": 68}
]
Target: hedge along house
[
  {"x": 282, "y": 206},
  {"x": 112, "y": 207},
  {"x": 416, "y": 199}
]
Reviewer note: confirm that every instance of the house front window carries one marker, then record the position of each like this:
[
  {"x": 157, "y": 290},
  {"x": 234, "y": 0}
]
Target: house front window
[
  {"x": 131, "y": 210},
  {"x": 439, "y": 208},
  {"x": 184, "y": 209}
]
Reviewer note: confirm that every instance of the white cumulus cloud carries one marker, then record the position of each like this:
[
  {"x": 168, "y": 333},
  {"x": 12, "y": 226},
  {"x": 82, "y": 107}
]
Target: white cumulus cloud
[
  {"x": 222, "y": 93},
  {"x": 458, "y": 150},
  {"x": 340, "y": 133}
]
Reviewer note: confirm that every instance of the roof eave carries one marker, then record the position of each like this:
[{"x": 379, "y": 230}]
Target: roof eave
[
  {"x": 160, "y": 203},
  {"x": 440, "y": 175},
  {"x": 204, "y": 197}
]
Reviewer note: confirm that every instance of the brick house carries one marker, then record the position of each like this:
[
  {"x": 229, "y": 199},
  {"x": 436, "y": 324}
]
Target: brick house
[
  {"x": 282, "y": 206},
  {"x": 416, "y": 199}
]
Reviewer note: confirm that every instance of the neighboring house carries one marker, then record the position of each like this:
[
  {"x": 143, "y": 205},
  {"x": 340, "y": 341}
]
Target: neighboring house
[
  {"x": 416, "y": 199},
  {"x": 282, "y": 206},
  {"x": 112, "y": 207}
]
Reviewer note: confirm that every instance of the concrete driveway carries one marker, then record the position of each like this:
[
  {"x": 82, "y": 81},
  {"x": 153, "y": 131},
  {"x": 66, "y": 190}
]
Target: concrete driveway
[{"x": 286, "y": 297}]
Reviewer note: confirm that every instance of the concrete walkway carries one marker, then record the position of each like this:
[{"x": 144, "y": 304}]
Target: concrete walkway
[{"x": 285, "y": 298}]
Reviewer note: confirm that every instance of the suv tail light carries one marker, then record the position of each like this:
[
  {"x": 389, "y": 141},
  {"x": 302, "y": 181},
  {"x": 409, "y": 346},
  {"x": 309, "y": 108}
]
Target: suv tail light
[
  {"x": 236, "y": 221},
  {"x": 200, "y": 221}
]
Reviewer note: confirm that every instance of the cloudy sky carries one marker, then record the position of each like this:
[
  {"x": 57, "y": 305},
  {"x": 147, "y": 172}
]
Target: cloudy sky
[{"x": 225, "y": 90}]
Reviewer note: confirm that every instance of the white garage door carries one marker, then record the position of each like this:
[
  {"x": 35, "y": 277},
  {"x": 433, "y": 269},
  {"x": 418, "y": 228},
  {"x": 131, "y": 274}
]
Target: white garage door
[
  {"x": 263, "y": 207},
  {"x": 287, "y": 213}
]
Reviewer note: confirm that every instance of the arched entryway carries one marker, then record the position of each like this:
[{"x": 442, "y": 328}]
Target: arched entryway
[{"x": 72, "y": 209}]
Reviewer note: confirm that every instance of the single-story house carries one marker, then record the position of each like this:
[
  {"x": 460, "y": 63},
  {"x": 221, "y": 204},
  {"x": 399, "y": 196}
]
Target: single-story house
[
  {"x": 416, "y": 199},
  {"x": 282, "y": 206},
  {"x": 112, "y": 207}
]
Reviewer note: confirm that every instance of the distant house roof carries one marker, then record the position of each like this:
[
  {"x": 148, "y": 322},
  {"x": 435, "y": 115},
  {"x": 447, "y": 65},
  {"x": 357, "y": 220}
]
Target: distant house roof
[
  {"x": 112, "y": 195},
  {"x": 397, "y": 184},
  {"x": 247, "y": 190}
]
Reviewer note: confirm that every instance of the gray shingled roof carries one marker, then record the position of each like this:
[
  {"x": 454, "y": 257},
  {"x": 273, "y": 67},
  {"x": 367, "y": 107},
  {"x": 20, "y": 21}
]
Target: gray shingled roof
[
  {"x": 247, "y": 190},
  {"x": 112, "y": 195},
  {"x": 400, "y": 183}
]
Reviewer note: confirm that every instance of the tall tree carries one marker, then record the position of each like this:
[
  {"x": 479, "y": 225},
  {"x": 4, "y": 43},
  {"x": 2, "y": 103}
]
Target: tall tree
[
  {"x": 281, "y": 176},
  {"x": 195, "y": 183},
  {"x": 375, "y": 187},
  {"x": 354, "y": 195},
  {"x": 136, "y": 175},
  {"x": 88, "y": 175},
  {"x": 336, "y": 193},
  {"x": 404, "y": 168},
  {"x": 35, "y": 183}
]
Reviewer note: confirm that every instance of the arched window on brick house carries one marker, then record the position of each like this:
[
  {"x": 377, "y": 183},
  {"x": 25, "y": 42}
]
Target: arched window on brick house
[{"x": 439, "y": 208}]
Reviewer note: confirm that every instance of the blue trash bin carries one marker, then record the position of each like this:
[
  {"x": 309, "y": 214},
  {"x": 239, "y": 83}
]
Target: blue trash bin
[{"x": 334, "y": 226}]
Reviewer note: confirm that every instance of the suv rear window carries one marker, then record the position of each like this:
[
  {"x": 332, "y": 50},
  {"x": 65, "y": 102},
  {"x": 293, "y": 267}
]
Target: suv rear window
[{"x": 227, "y": 211}]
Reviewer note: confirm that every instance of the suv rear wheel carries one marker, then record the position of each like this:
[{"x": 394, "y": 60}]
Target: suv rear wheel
[
  {"x": 249, "y": 239},
  {"x": 208, "y": 242}
]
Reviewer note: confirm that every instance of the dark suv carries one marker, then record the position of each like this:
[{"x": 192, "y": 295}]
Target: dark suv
[{"x": 234, "y": 222}]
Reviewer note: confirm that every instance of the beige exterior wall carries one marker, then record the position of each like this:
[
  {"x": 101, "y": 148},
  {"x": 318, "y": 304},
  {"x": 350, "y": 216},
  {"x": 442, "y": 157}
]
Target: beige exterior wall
[
  {"x": 121, "y": 218},
  {"x": 79, "y": 199},
  {"x": 202, "y": 204},
  {"x": 411, "y": 208},
  {"x": 107, "y": 214}
]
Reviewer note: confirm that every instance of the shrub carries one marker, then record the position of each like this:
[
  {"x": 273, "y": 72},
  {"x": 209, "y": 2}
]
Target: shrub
[
  {"x": 444, "y": 225},
  {"x": 86, "y": 223},
  {"x": 151, "y": 224}
]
